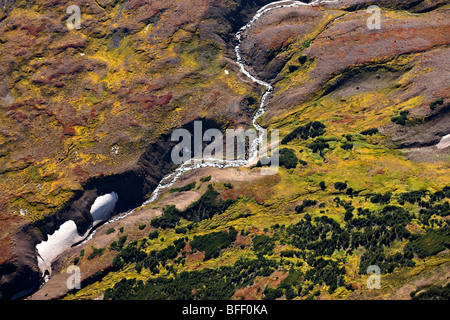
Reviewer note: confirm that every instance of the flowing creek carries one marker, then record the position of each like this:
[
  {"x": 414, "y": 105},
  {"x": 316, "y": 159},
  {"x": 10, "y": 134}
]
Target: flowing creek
[{"x": 67, "y": 236}]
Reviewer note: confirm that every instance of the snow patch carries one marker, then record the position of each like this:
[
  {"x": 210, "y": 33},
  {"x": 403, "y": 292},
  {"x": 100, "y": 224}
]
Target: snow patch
[
  {"x": 444, "y": 143},
  {"x": 67, "y": 234},
  {"x": 103, "y": 207},
  {"x": 56, "y": 243}
]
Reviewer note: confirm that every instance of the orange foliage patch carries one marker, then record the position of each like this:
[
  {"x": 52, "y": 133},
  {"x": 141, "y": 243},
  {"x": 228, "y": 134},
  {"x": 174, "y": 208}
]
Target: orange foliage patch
[{"x": 254, "y": 291}]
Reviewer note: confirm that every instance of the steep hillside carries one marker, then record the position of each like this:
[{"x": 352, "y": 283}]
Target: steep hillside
[
  {"x": 81, "y": 105},
  {"x": 89, "y": 111}
]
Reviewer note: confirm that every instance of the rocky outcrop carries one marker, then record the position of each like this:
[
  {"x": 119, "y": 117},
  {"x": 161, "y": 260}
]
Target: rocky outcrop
[
  {"x": 424, "y": 134},
  {"x": 19, "y": 275}
]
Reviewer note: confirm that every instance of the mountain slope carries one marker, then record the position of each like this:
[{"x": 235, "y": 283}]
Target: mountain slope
[{"x": 125, "y": 81}]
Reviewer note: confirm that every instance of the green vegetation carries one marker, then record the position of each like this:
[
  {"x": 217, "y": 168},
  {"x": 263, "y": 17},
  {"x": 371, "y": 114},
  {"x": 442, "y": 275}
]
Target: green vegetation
[
  {"x": 170, "y": 218},
  {"x": 205, "y": 179},
  {"x": 318, "y": 248},
  {"x": 133, "y": 253},
  {"x": 118, "y": 245},
  {"x": 34, "y": 174},
  {"x": 182, "y": 230},
  {"x": 287, "y": 158},
  {"x": 272, "y": 294},
  {"x": 341, "y": 186},
  {"x": 228, "y": 185},
  {"x": 215, "y": 284},
  {"x": 386, "y": 264},
  {"x": 316, "y": 240},
  {"x": 432, "y": 293},
  {"x": 307, "y": 43},
  {"x": 437, "y": 102},
  {"x": 318, "y": 146},
  {"x": 263, "y": 244},
  {"x": 369, "y": 132},
  {"x": 95, "y": 252},
  {"x": 293, "y": 68},
  {"x": 347, "y": 146},
  {"x": 434, "y": 241},
  {"x": 381, "y": 215},
  {"x": 213, "y": 242},
  {"x": 310, "y": 130},
  {"x": 306, "y": 203},
  {"x": 127, "y": 255},
  {"x": 381, "y": 198},
  {"x": 430, "y": 210},
  {"x": 110, "y": 230},
  {"x": 153, "y": 234},
  {"x": 323, "y": 272},
  {"x": 204, "y": 208},
  {"x": 413, "y": 196},
  {"x": 401, "y": 119},
  {"x": 323, "y": 236},
  {"x": 292, "y": 284},
  {"x": 187, "y": 187},
  {"x": 302, "y": 59}
]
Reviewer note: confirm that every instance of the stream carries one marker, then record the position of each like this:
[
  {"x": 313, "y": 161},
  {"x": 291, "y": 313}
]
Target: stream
[{"x": 66, "y": 236}]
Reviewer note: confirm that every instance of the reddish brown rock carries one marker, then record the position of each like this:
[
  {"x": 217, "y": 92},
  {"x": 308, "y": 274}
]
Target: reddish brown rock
[{"x": 348, "y": 43}]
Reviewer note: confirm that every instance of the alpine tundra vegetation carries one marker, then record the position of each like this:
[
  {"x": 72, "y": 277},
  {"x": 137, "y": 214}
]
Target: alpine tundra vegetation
[{"x": 359, "y": 97}]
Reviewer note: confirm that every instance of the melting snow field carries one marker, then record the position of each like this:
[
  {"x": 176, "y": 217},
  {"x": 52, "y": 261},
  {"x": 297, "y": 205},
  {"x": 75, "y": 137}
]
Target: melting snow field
[
  {"x": 444, "y": 143},
  {"x": 103, "y": 207},
  {"x": 67, "y": 234},
  {"x": 56, "y": 243}
]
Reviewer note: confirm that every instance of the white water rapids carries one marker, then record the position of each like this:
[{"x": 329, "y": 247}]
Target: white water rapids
[{"x": 67, "y": 234}]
